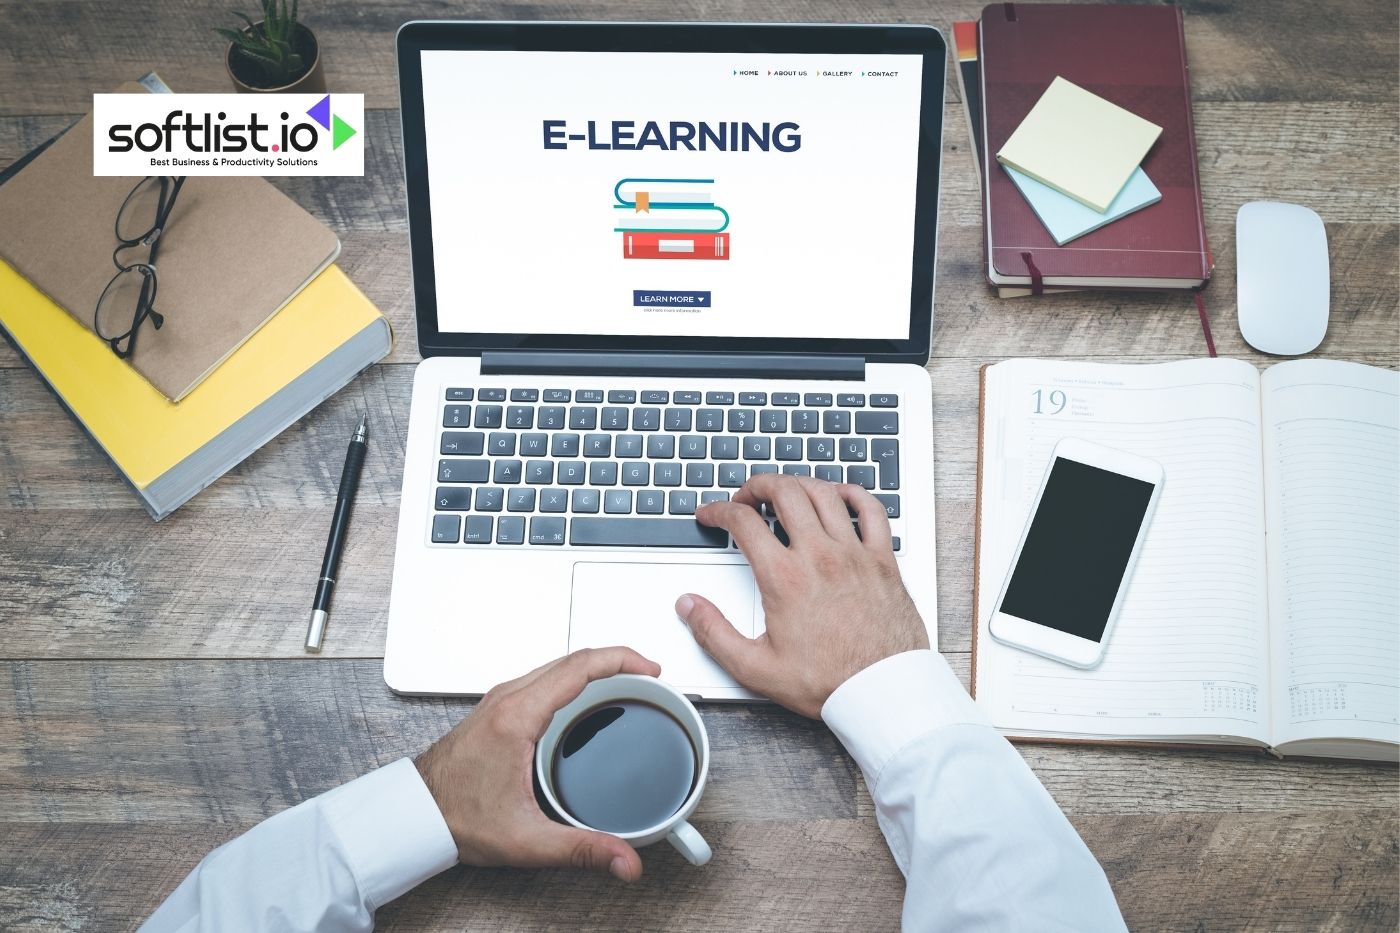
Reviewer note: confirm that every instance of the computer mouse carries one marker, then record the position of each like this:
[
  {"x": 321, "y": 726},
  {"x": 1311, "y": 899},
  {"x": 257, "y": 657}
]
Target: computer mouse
[{"x": 1283, "y": 280}]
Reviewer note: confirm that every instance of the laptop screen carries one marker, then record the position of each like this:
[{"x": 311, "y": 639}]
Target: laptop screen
[{"x": 680, "y": 195}]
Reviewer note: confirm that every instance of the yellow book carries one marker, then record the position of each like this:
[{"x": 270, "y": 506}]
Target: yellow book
[
  {"x": 169, "y": 451},
  {"x": 1079, "y": 144}
]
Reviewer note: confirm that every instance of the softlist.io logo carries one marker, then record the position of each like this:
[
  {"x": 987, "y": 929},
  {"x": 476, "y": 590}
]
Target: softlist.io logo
[{"x": 228, "y": 134}]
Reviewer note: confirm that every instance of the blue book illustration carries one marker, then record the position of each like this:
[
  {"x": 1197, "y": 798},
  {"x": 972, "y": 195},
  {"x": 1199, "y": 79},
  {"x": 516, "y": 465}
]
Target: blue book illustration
[{"x": 1067, "y": 219}]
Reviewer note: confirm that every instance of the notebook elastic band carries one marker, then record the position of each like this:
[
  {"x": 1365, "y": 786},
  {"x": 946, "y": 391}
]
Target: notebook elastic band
[
  {"x": 1037, "y": 280},
  {"x": 1205, "y": 322},
  {"x": 1010, "y": 10}
]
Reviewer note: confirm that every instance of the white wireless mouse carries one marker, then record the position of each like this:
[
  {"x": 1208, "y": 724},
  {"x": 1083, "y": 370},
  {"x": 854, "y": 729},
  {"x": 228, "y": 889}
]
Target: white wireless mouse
[{"x": 1283, "y": 280}]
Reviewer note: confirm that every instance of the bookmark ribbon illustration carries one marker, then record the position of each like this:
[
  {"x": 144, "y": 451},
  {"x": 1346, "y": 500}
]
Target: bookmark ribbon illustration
[{"x": 643, "y": 200}]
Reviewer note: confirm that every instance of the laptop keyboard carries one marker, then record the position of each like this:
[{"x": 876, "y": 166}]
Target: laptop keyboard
[{"x": 627, "y": 468}]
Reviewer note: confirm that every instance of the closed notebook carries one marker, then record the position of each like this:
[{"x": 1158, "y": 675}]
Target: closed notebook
[{"x": 1067, "y": 219}]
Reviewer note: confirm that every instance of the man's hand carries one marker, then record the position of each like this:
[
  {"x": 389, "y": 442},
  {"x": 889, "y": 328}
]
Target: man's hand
[
  {"x": 834, "y": 602},
  {"x": 481, "y": 773}
]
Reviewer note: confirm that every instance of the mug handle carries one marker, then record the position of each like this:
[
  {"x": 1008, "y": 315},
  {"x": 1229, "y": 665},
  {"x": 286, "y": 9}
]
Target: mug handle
[{"x": 685, "y": 840}]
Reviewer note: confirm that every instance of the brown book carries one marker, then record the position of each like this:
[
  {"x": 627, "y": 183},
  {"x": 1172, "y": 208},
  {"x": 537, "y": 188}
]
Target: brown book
[{"x": 235, "y": 251}]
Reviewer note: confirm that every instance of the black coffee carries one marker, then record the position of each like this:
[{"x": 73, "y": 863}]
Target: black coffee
[{"x": 624, "y": 766}]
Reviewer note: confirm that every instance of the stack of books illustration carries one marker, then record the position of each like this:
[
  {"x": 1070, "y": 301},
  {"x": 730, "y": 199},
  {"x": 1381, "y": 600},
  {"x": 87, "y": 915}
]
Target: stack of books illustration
[{"x": 670, "y": 218}]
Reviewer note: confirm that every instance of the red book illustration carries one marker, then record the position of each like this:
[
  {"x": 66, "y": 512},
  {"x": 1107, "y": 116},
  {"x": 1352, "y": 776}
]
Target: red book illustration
[{"x": 645, "y": 245}]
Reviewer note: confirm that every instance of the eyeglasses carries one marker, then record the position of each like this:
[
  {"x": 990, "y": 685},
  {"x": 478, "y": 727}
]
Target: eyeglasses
[{"x": 129, "y": 299}]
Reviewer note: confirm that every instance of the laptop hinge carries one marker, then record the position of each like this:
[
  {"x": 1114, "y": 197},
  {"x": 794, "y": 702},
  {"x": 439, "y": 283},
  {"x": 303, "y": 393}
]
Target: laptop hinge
[{"x": 621, "y": 363}]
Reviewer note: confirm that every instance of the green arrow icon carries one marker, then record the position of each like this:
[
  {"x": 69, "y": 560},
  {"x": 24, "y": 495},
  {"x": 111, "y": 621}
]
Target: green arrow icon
[{"x": 340, "y": 132}]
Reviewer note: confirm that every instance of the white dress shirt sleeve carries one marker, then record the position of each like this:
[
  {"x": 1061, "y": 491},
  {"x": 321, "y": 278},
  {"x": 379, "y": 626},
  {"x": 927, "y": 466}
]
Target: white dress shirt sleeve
[
  {"x": 981, "y": 843},
  {"x": 324, "y": 865}
]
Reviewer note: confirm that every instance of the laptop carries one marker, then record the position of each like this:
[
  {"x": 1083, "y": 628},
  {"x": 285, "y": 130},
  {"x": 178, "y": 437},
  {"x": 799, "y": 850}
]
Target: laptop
[{"x": 649, "y": 262}]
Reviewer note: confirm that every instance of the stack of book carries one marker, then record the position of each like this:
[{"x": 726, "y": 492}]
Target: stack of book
[
  {"x": 670, "y": 218},
  {"x": 1081, "y": 120}
]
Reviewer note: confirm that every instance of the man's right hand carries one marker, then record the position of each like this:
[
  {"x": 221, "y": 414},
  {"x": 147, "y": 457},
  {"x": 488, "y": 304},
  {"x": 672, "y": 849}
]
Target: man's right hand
[{"x": 834, "y": 602}]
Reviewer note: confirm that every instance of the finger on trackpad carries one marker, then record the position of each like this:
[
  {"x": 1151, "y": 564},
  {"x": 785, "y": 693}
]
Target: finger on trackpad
[{"x": 635, "y": 605}]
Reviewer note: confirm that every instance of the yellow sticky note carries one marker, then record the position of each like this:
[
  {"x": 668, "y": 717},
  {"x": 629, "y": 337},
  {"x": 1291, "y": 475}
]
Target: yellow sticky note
[{"x": 1079, "y": 144}]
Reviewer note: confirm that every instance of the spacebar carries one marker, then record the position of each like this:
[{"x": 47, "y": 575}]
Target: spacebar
[{"x": 645, "y": 532}]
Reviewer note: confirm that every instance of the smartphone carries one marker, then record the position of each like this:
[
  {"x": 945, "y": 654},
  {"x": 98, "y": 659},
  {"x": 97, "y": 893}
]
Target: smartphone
[{"x": 1076, "y": 556}]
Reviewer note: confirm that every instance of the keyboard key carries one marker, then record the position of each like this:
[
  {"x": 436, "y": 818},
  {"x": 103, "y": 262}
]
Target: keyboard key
[
  {"x": 828, "y": 471},
  {"x": 520, "y": 500},
  {"x": 489, "y": 416},
  {"x": 628, "y": 445},
  {"x": 656, "y": 397},
  {"x": 797, "y": 469},
  {"x": 602, "y": 473},
  {"x": 551, "y": 418},
  {"x": 524, "y": 395},
  {"x": 621, "y": 397},
  {"x": 539, "y": 472},
  {"x": 506, "y": 471},
  {"x": 457, "y": 416},
  {"x": 534, "y": 445},
  {"x": 614, "y": 419},
  {"x": 715, "y": 496},
  {"x": 547, "y": 530},
  {"x": 501, "y": 444},
  {"x": 786, "y": 398},
  {"x": 448, "y": 499},
  {"x": 817, "y": 399},
  {"x": 709, "y": 419},
  {"x": 890, "y": 502},
  {"x": 759, "y": 468},
  {"x": 490, "y": 499},
  {"x": 597, "y": 445},
  {"x": 821, "y": 448},
  {"x": 719, "y": 398},
  {"x": 557, "y": 395},
  {"x": 563, "y": 445},
  {"x": 732, "y": 474},
  {"x": 877, "y": 422},
  {"x": 510, "y": 530},
  {"x": 586, "y": 500},
  {"x": 646, "y": 419},
  {"x": 681, "y": 502},
  {"x": 724, "y": 447},
  {"x": 836, "y": 422},
  {"x": 645, "y": 532},
  {"x": 741, "y": 420},
  {"x": 615, "y": 502},
  {"x": 853, "y": 449},
  {"x": 666, "y": 474},
  {"x": 492, "y": 395},
  {"x": 850, "y": 400},
  {"x": 699, "y": 474},
  {"x": 463, "y": 443},
  {"x": 805, "y": 422},
  {"x": 686, "y": 398},
  {"x": 661, "y": 447},
  {"x": 520, "y": 416},
  {"x": 693, "y": 447},
  {"x": 757, "y": 448},
  {"x": 478, "y": 529},
  {"x": 571, "y": 472},
  {"x": 463, "y": 471},
  {"x": 554, "y": 500},
  {"x": 582, "y": 418},
  {"x": 651, "y": 502},
  {"x": 884, "y": 401},
  {"x": 753, "y": 398},
  {"x": 894, "y": 542},
  {"x": 886, "y": 454},
  {"x": 772, "y": 422},
  {"x": 636, "y": 473},
  {"x": 588, "y": 395},
  {"x": 677, "y": 419},
  {"x": 789, "y": 448},
  {"x": 460, "y": 395},
  {"x": 447, "y": 529},
  {"x": 862, "y": 476}
]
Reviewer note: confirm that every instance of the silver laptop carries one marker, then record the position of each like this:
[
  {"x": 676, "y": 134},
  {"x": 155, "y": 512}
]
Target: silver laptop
[{"x": 649, "y": 262}]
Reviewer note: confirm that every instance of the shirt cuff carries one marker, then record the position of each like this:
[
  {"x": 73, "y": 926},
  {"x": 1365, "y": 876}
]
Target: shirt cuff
[
  {"x": 895, "y": 701},
  {"x": 394, "y": 835}
]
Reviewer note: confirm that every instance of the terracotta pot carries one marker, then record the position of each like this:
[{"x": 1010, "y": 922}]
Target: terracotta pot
[{"x": 313, "y": 82}]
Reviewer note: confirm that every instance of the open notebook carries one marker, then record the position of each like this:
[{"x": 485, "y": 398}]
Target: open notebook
[{"x": 1265, "y": 606}]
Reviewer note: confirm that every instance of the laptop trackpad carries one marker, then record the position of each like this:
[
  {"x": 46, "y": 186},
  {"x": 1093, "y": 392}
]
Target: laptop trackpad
[{"x": 634, "y": 605}]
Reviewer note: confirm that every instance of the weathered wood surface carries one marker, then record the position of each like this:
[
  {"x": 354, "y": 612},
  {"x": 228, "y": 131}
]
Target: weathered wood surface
[{"x": 156, "y": 700}]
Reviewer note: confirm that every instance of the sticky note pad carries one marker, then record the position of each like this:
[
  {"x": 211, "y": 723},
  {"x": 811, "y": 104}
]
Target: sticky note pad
[
  {"x": 1079, "y": 144},
  {"x": 1066, "y": 218}
]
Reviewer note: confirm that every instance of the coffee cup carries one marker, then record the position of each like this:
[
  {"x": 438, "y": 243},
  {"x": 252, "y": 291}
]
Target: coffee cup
[{"x": 629, "y": 757}]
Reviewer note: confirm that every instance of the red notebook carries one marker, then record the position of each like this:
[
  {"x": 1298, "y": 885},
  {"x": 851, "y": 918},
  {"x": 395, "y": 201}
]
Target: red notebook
[{"x": 1134, "y": 56}]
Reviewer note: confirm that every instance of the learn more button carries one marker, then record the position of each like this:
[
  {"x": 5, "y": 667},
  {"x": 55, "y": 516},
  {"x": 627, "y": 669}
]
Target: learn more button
[{"x": 655, "y": 298}]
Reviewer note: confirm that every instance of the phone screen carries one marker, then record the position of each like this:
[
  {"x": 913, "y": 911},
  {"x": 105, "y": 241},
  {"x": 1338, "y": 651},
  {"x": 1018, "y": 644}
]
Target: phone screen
[{"x": 1077, "y": 549}]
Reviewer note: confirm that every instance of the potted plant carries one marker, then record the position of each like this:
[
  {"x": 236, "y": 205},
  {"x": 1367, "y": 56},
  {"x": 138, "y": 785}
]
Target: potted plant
[{"x": 274, "y": 54}]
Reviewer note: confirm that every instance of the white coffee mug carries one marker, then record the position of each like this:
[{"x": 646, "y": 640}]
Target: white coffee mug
[{"x": 674, "y": 829}]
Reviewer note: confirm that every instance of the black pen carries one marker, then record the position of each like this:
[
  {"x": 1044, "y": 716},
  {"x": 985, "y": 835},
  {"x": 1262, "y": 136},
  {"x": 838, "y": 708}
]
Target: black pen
[{"x": 349, "y": 482}]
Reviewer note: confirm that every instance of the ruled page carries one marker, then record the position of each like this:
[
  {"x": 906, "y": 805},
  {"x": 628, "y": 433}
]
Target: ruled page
[
  {"x": 1189, "y": 657},
  {"x": 1332, "y": 478}
]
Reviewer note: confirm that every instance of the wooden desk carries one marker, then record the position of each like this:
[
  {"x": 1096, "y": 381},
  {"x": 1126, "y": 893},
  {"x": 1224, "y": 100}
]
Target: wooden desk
[{"x": 156, "y": 699}]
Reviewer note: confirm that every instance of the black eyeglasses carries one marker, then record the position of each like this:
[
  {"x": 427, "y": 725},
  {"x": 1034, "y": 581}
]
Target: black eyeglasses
[{"x": 129, "y": 299}]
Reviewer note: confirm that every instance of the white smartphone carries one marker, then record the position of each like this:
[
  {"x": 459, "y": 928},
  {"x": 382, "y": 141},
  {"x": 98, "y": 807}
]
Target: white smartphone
[{"x": 1075, "y": 557}]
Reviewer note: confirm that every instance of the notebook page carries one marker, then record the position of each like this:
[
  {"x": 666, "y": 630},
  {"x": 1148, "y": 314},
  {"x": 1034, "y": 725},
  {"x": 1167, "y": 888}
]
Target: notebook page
[
  {"x": 1189, "y": 655},
  {"x": 1332, "y": 474}
]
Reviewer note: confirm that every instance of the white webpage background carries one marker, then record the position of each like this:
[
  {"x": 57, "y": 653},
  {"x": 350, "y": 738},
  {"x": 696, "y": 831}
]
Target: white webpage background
[{"x": 821, "y": 238}]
